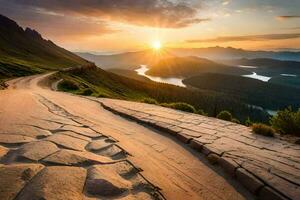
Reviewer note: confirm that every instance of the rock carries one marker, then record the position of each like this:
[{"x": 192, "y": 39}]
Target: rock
[
  {"x": 81, "y": 130},
  {"x": 248, "y": 180},
  {"x": 111, "y": 151},
  {"x": 196, "y": 145},
  {"x": 37, "y": 150},
  {"x": 183, "y": 138},
  {"x": 267, "y": 193},
  {"x": 3, "y": 151},
  {"x": 14, "y": 139},
  {"x": 213, "y": 158},
  {"x": 68, "y": 142},
  {"x": 75, "y": 135},
  {"x": 97, "y": 145},
  {"x": 57, "y": 183},
  {"x": 14, "y": 177},
  {"x": 103, "y": 180},
  {"x": 70, "y": 157},
  {"x": 228, "y": 165}
]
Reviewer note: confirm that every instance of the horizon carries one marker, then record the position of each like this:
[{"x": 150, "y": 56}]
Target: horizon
[{"x": 122, "y": 26}]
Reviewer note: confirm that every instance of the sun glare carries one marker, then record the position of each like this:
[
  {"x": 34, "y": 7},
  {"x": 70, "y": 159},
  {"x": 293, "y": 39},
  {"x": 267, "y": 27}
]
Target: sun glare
[{"x": 156, "y": 45}]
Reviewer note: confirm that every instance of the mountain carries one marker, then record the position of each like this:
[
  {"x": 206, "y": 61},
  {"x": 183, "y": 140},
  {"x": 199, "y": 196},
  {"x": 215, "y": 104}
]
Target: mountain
[
  {"x": 221, "y": 53},
  {"x": 129, "y": 60},
  {"x": 25, "y": 52},
  {"x": 190, "y": 66},
  {"x": 254, "y": 92}
]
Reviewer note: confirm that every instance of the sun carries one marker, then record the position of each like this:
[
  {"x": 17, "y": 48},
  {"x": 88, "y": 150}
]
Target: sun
[{"x": 156, "y": 45}]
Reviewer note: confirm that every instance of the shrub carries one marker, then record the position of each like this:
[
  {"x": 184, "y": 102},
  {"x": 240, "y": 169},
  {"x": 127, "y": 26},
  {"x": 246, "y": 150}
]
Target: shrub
[
  {"x": 248, "y": 122},
  {"x": 180, "y": 106},
  {"x": 102, "y": 95},
  {"x": 225, "y": 115},
  {"x": 201, "y": 112},
  {"x": 149, "y": 101},
  {"x": 287, "y": 122},
  {"x": 234, "y": 120},
  {"x": 86, "y": 92},
  {"x": 67, "y": 85},
  {"x": 263, "y": 129}
]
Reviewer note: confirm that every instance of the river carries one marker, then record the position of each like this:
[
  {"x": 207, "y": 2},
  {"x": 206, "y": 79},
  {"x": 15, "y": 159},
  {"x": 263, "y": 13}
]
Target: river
[{"x": 174, "y": 81}]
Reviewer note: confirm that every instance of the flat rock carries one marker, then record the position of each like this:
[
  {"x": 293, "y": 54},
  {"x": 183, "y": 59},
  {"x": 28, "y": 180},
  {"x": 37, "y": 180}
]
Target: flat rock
[
  {"x": 103, "y": 180},
  {"x": 111, "y": 151},
  {"x": 37, "y": 150},
  {"x": 81, "y": 130},
  {"x": 97, "y": 145},
  {"x": 68, "y": 142},
  {"x": 14, "y": 139},
  {"x": 55, "y": 183},
  {"x": 70, "y": 157},
  {"x": 75, "y": 135},
  {"x": 14, "y": 177}
]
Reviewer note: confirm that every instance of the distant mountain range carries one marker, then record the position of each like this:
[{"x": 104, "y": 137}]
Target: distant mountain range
[
  {"x": 25, "y": 52},
  {"x": 221, "y": 53},
  {"x": 131, "y": 60}
]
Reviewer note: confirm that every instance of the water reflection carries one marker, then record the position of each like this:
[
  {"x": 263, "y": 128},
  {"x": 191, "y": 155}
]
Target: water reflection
[
  {"x": 174, "y": 81},
  {"x": 258, "y": 77}
]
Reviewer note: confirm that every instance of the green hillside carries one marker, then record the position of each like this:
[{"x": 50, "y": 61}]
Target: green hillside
[
  {"x": 255, "y": 92},
  {"x": 129, "y": 74},
  {"x": 25, "y": 52}
]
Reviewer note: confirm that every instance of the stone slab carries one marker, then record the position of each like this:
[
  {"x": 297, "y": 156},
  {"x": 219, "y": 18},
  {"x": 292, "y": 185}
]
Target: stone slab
[
  {"x": 57, "y": 183},
  {"x": 70, "y": 157},
  {"x": 14, "y": 177},
  {"x": 68, "y": 142},
  {"x": 37, "y": 150}
]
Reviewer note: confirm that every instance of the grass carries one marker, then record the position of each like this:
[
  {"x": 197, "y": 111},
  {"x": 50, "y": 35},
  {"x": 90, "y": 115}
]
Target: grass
[
  {"x": 225, "y": 115},
  {"x": 149, "y": 101},
  {"x": 263, "y": 129},
  {"x": 287, "y": 121},
  {"x": 180, "y": 106}
]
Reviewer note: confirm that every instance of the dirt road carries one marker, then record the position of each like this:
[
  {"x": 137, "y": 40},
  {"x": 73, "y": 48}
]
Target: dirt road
[{"x": 34, "y": 111}]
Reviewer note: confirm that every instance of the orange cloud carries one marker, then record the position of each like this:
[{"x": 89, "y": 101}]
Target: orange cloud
[
  {"x": 162, "y": 13},
  {"x": 248, "y": 38}
]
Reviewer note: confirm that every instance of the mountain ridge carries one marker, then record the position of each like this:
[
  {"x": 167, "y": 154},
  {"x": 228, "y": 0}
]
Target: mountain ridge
[{"x": 25, "y": 52}]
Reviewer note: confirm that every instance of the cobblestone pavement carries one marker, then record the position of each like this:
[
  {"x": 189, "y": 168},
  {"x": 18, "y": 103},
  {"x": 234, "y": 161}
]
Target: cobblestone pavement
[
  {"x": 268, "y": 167},
  {"x": 58, "y": 146},
  {"x": 53, "y": 154}
]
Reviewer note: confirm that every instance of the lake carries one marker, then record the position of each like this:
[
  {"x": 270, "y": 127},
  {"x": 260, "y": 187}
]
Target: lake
[
  {"x": 258, "y": 77},
  {"x": 174, "y": 81}
]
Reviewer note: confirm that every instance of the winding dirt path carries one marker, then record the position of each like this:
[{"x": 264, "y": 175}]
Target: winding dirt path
[{"x": 32, "y": 110}]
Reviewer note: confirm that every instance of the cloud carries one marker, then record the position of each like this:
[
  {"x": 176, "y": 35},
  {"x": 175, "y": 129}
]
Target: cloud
[
  {"x": 164, "y": 13},
  {"x": 248, "y": 38},
  {"x": 56, "y": 25},
  {"x": 285, "y": 17}
]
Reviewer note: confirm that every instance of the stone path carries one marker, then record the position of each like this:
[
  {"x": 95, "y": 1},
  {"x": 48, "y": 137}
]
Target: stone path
[
  {"x": 64, "y": 158},
  {"x": 268, "y": 167}
]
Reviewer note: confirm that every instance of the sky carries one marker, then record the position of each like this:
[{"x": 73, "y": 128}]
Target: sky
[{"x": 128, "y": 25}]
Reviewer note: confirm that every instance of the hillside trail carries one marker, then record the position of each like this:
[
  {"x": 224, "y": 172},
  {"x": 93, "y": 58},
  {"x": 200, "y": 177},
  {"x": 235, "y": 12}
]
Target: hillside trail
[{"x": 177, "y": 170}]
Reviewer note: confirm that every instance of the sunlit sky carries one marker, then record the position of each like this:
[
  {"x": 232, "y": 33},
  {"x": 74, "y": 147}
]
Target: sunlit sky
[{"x": 122, "y": 25}]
